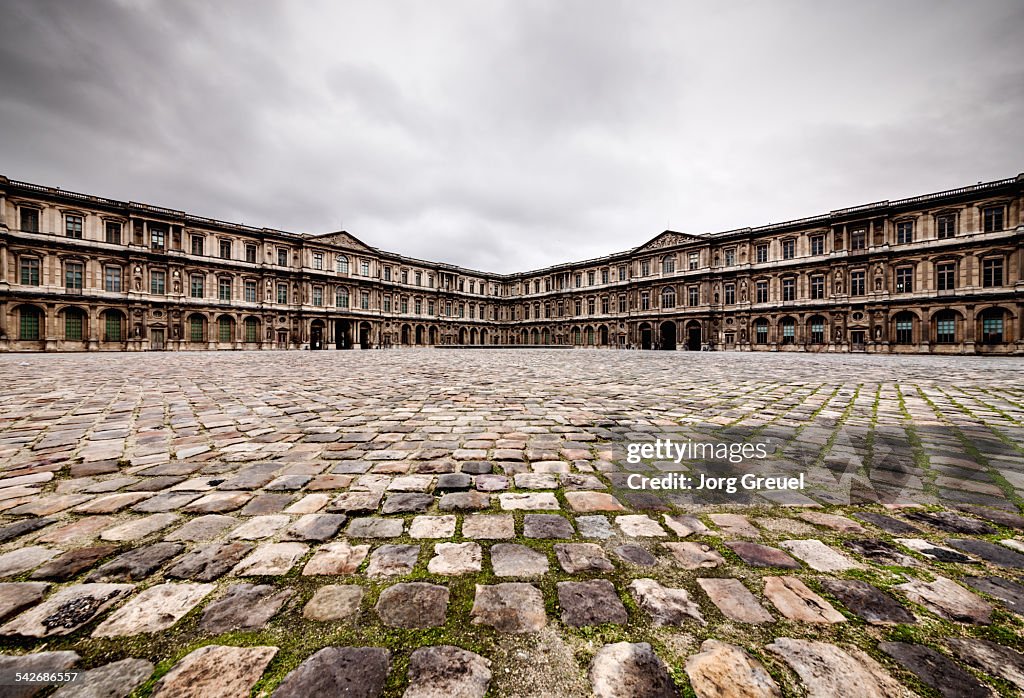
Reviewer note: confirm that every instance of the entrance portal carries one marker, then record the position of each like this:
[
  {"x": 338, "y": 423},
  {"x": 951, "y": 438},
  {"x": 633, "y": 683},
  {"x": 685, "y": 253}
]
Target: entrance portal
[
  {"x": 646, "y": 338},
  {"x": 157, "y": 339},
  {"x": 364, "y": 335},
  {"x": 316, "y": 335},
  {"x": 693, "y": 336},
  {"x": 342, "y": 334},
  {"x": 668, "y": 336}
]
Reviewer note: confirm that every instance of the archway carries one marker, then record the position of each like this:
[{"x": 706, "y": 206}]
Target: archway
[
  {"x": 646, "y": 336},
  {"x": 420, "y": 334},
  {"x": 342, "y": 334},
  {"x": 603, "y": 335},
  {"x": 432, "y": 335},
  {"x": 406, "y": 330},
  {"x": 668, "y": 336},
  {"x": 364, "y": 335},
  {"x": 693, "y": 335},
  {"x": 316, "y": 335},
  {"x": 462, "y": 336},
  {"x": 483, "y": 336},
  {"x": 472, "y": 336}
]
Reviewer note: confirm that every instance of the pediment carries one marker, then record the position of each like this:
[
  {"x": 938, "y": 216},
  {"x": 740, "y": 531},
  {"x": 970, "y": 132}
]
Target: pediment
[
  {"x": 343, "y": 239},
  {"x": 669, "y": 238}
]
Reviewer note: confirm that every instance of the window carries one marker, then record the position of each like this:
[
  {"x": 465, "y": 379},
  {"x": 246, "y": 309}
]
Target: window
[
  {"x": 604, "y": 276},
  {"x": 250, "y": 253},
  {"x": 28, "y": 324},
  {"x": 693, "y": 261},
  {"x": 250, "y": 291},
  {"x": 404, "y": 305},
  {"x": 693, "y": 295},
  {"x": 817, "y": 287},
  {"x": 112, "y": 232},
  {"x": 645, "y": 267},
  {"x": 904, "y": 232},
  {"x": 730, "y": 294},
  {"x": 387, "y": 273},
  {"x": 590, "y": 275},
  {"x": 157, "y": 238},
  {"x": 73, "y": 226},
  {"x": 198, "y": 243},
  {"x": 645, "y": 301},
  {"x": 195, "y": 328},
  {"x": 250, "y": 329},
  {"x": 668, "y": 264},
  {"x": 991, "y": 219},
  {"x": 430, "y": 308},
  {"x": 578, "y": 307},
  {"x": 730, "y": 256},
  {"x": 225, "y": 249},
  {"x": 318, "y": 260},
  {"x": 991, "y": 329},
  {"x": 762, "y": 292},
  {"x": 196, "y": 285},
  {"x": 817, "y": 331},
  {"x": 29, "y": 219},
  {"x": 112, "y": 327},
  {"x": 430, "y": 282},
  {"x": 668, "y": 297},
  {"x": 158, "y": 282},
  {"x": 341, "y": 298},
  {"x": 992, "y": 272},
  {"x": 224, "y": 329},
  {"x": 591, "y": 306},
  {"x": 224, "y": 288},
  {"x": 29, "y": 271},
  {"x": 788, "y": 331},
  {"x": 387, "y": 303},
  {"x": 579, "y": 280},
  {"x": 904, "y": 329},
  {"x": 761, "y": 331},
  {"x": 112, "y": 279},
  {"x": 761, "y": 254},
  {"x": 419, "y": 278},
  {"x": 945, "y": 225},
  {"x": 857, "y": 283},
  {"x": 342, "y": 266},
  {"x": 622, "y": 273},
  {"x": 73, "y": 273},
  {"x": 945, "y": 328},
  {"x": 622, "y": 304},
  {"x": 318, "y": 296},
  {"x": 282, "y": 256},
  {"x": 364, "y": 300},
  {"x": 859, "y": 239},
  {"x": 282, "y": 293},
  {"x": 817, "y": 244},
  {"x": 904, "y": 280},
  {"x": 73, "y": 324},
  {"x": 364, "y": 267},
  {"x": 417, "y": 306},
  {"x": 605, "y": 304},
  {"x": 788, "y": 249},
  {"x": 945, "y": 276},
  {"x": 789, "y": 289}
]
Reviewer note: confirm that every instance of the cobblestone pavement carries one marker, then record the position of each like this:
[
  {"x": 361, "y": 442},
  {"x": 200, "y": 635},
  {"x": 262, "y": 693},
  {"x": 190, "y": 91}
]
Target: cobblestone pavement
[{"x": 459, "y": 523}]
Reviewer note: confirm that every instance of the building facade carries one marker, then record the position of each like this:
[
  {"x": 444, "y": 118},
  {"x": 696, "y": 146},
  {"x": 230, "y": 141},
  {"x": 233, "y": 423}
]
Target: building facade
[{"x": 939, "y": 273}]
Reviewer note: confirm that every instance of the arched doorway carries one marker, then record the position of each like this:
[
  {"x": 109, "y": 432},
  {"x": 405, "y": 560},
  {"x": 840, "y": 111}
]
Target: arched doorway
[
  {"x": 420, "y": 334},
  {"x": 483, "y": 336},
  {"x": 462, "y": 335},
  {"x": 364, "y": 335},
  {"x": 316, "y": 335},
  {"x": 432, "y": 334},
  {"x": 646, "y": 337},
  {"x": 472, "y": 336},
  {"x": 405, "y": 334},
  {"x": 668, "y": 336},
  {"x": 342, "y": 334},
  {"x": 603, "y": 335},
  {"x": 693, "y": 335}
]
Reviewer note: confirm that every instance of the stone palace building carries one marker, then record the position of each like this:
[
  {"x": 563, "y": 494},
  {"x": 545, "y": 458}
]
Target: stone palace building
[{"x": 939, "y": 273}]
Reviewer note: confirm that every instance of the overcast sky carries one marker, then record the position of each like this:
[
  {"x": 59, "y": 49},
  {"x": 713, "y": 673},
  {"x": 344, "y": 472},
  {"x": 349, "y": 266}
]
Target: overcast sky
[{"x": 507, "y": 136}]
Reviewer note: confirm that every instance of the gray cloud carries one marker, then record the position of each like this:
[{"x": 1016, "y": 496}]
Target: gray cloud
[{"x": 510, "y": 135}]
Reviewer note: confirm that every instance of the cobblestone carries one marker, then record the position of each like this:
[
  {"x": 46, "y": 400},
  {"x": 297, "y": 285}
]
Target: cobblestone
[{"x": 384, "y": 494}]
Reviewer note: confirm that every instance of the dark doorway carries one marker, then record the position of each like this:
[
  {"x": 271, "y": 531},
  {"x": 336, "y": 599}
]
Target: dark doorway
[
  {"x": 405, "y": 334},
  {"x": 857, "y": 340},
  {"x": 157, "y": 337},
  {"x": 316, "y": 335},
  {"x": 364, "y": 335},
  {"x": 668, "y": 336},
  {"x": 342, "y": 334},
  {"x": 646, "y": 337},
  {"x": 419, "y": 334},
  {"x": 693, "y": 336}
]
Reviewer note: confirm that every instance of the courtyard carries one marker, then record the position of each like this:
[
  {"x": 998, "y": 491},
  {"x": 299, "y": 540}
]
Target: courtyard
[{"x": 425, "y": 522}]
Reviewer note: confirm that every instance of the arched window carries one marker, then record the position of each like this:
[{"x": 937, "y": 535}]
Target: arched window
[
  {"x": 945, "y": 327},
  {"x": 112, "y": 326},
  {"x": 342, "y": 264},
  {"x": 904, "y": 324},
  {"x": 668, "y": 297},
  {"x": 74, "y": 324},
  {"x": 993, "y": 326},
  {"x": 341, "y": 297},
  {"x": 668, "y": 264},
  {"x": 30, "y": 322},
  {"x": 788, "y": 326}
]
